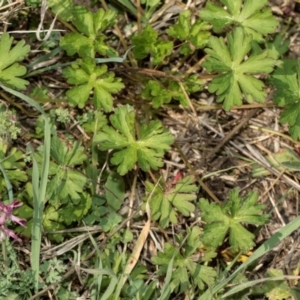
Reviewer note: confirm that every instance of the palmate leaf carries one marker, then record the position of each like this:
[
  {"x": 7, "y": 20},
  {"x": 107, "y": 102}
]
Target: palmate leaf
[
  {"x": 62, "y": 8},
  {"x": 90, "y": 38},
  {"x": 147, "y": 150},
  {"x": 56, "y": 216},
  {"x": 10, "y": 70},
  {"x": 12, "y": 162},
  {"x": 166, "y": 203},
  {"x": 197, "y": 33},
  {"x": 148, "y": 43},
  {"x": 75, "y": 209},
  {"x": 160, "y": 93},
  {"x": 249, "y": 14},
  {"x": 235, "y": 79},
  {"x": 286, "y": 80},
  {"x": 88, "y": 77},
  {"x": 228, "y": 219},
  {"x": 65, "y": 180}
]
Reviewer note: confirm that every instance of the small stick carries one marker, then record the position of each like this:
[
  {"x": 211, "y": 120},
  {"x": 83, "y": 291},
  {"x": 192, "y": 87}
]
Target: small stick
[{"x": 228, "y": 137}]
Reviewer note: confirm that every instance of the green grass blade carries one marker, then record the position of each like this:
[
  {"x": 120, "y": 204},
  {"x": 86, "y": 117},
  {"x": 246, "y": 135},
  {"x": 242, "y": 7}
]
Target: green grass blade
[
  {"x": 39, "y": 187},
  {"x": 249, "y": 284},
  {"x": 98, "y": 278},
  {"x": 129, "y": 6},
  {"x": 44, "y": 58},
  {"x": 165, "y": 293},
  {"x": 8, "y": 185},
  {"x": 110, "y": 289}
]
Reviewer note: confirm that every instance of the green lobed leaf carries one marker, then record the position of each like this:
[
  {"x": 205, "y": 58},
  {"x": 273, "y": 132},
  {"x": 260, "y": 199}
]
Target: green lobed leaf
[
  {"x": 65, "y": 181},
  {"x": 163, "y": 92},
  {"x": 165, "y": 203},
  {"x": 277, "y": 290},
  {"x": 147, "y": 151},
  {"x": 156, "y": 93},
  {"x": 216, "y": 15},
  {"x": 83, "y": 20},
  {"x": 148, "y": 43},
  {"x": 75, "y": 42},
  {"x": 181, "y": 30},
  {"x": 50, "y": 222},
  {"x": 88, "y": 77},
  {"x": 13, "y": 163},
  {"x": 228, "y": 219},
  {"x": 235, "y": 80},
  {"x": 161, "y": 50},
  {"x": 10, "y": 70},
  {"x": 90, "y": 38},
  {"x": 67, "y": 156},
  {"x": 104, "y": 19},
  {"x": 62, "y": 8},
  {"x": 110, "y": 222},
  {"x": 97, "y": 211},
  {"x": 75, "y": 210},
  {"x": 286, "y": 80},
  {"x": 143, "y": 43},
  {"x": 93, "y": 121},
  {"x": 114, "y": 191},
  {"x": 278, "y": 46},
  {"x": 55, "y": 216},
  {"x": 200, "y": 33},
  {"x": 197, "y": 34},
  {"x": 250, "y": 15}
]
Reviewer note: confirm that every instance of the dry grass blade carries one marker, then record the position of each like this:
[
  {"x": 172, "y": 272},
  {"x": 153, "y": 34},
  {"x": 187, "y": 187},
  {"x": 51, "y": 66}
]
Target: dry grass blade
[{"x": 134, "y": 257}]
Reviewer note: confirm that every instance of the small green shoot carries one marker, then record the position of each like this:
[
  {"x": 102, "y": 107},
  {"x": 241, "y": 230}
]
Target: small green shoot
[
  {"x": 194, "y": 35},
  {"x": 148, "y": 43},
  {"x": 9, "y": 129},
  {"x": 160, "y": 93}
]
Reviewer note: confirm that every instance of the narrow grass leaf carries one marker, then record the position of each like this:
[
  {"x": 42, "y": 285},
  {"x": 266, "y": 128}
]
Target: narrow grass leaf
[
  {"x": 39, "y": 186},
  {"x": 8, "y": 185},
  {"x": 110, "y": 289},
  {"x": 248, "y": 284},
  {"x": 165, "y": 291},
  {"x": 98, "y": 277}
]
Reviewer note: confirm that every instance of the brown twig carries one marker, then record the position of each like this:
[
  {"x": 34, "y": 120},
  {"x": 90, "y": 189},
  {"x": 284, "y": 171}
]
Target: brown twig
[{"x": 233, "y": 132}]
